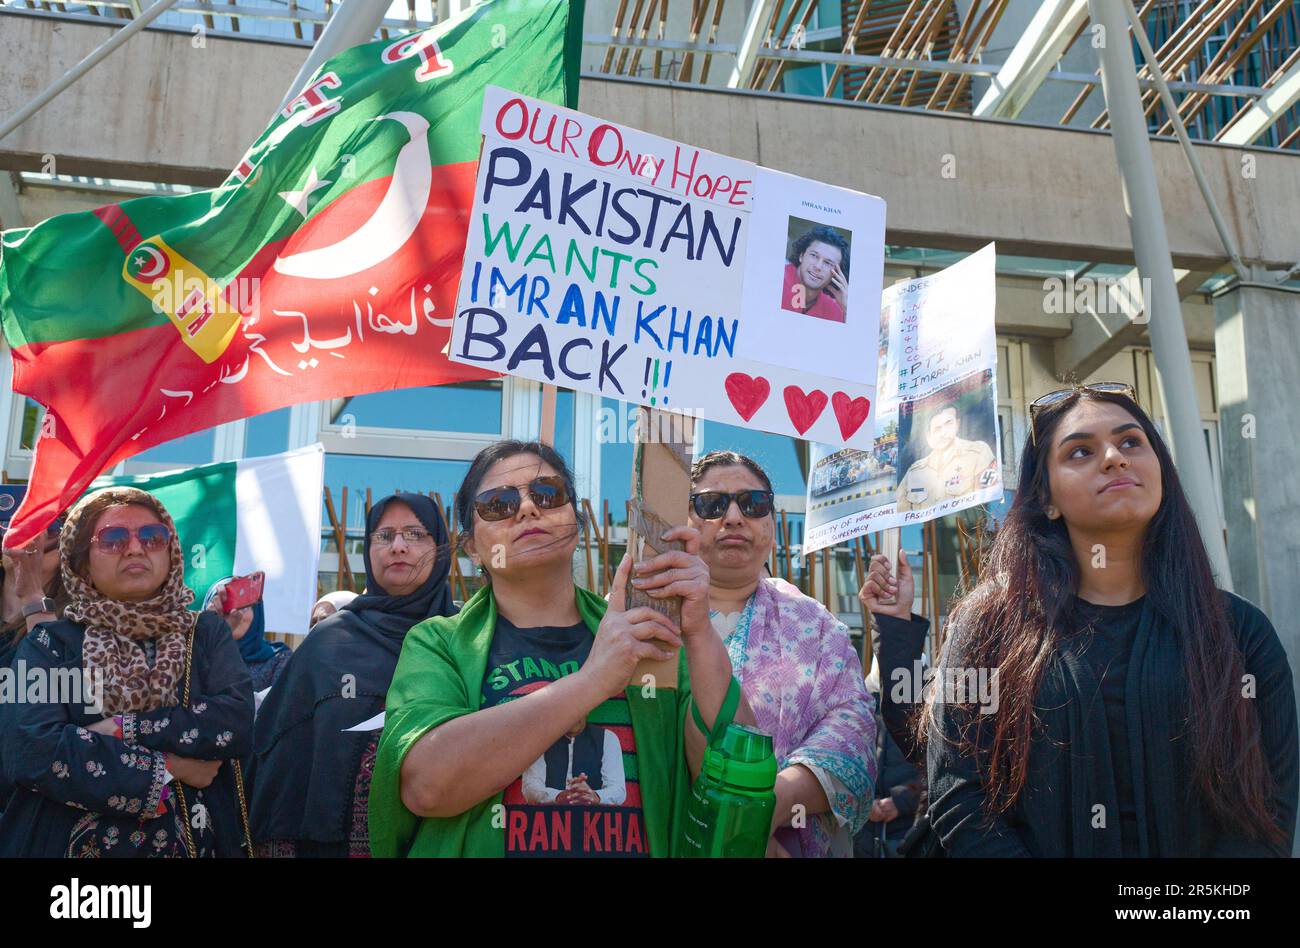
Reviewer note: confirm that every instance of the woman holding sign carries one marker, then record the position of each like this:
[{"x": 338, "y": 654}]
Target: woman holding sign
[
  {"x": 1137, "y": 709},
  {"x": 795, "y": 663},
  {"x": 516, "y": 728}
]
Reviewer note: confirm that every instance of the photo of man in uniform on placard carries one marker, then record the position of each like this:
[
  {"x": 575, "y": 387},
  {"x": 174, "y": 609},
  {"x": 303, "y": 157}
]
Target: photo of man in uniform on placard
[
  {"x": 583, "y": 768},
  {"x": 816, "y": 281},
  {"x": 953, "y": 467}
]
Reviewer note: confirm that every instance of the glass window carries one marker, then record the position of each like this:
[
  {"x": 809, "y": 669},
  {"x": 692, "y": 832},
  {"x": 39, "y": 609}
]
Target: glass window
[
  {"x": 463, "y": 406},
  {"x": 383, "y": 476},
  {"x": 776, "y": 454},
  {"x": 267, "y": 433},
  {"x": 564, "y": 420},
  {"x": 615, "y": 456},
  {"x": 31, "y": 429}
]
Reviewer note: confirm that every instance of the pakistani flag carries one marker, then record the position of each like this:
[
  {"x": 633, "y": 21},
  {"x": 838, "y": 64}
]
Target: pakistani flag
[
  {"x": 239, "y": 517},
  {"x": 325, "y": 265}
]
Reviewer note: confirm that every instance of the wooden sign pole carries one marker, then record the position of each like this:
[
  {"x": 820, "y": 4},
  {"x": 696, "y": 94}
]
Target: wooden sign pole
[
  {"x": 547, "y": 431},
  {"x": 661, "y": 487}
]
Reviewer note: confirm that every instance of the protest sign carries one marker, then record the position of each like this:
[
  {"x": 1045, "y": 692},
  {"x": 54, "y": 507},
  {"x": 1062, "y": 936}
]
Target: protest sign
[
  {"x": 616, "y": 262},
  {"x": 936, "y": 448}
]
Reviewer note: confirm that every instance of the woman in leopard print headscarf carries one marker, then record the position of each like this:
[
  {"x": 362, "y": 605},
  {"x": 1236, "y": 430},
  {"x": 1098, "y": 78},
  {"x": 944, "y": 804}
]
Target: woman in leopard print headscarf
[
  {"x": 116, "y": 630},
  {"x": 123, "y": 765}
]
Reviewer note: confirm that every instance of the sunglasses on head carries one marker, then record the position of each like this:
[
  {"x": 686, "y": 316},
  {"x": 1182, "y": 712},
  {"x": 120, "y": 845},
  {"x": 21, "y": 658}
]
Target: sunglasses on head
[
  {"x": 714, "y": 504},
  {"x": 115, "y": 540},
  {"x": 500, "y": 503},
  {"x": 1064, "y": 394}
]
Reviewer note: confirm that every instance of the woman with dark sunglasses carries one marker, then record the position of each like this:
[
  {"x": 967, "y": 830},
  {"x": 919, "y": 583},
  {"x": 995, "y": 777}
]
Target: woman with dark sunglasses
[
  {"x": 139, "y": 756},
  {"x": 311, "y": 767},
  {"x": 794, "y": 660},
  {"x": 533, "y": 679},
  {"x": 1138, "y": 710}
]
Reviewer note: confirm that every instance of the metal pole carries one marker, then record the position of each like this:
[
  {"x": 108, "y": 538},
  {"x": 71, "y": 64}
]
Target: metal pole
[
  {"x": 87, "y": 64},
  {"x": 352, "y": 24},
  {"x": 1151, "y": 248},
  {"x": 1157, "y": 76}
]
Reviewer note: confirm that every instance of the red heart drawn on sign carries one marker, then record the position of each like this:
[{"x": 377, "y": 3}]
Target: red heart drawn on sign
[
  {"x": 850, "y": 413},
  {"x": 804, "y": 409},
  {"x": 747, "y": 394}
]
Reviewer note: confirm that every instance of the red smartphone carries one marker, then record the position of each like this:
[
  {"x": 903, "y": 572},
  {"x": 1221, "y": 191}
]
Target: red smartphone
[{"x": 242, "y": 591}]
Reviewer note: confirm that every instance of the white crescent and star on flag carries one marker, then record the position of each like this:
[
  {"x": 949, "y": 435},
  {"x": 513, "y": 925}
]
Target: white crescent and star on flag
[{"x": 391, "y": 225}]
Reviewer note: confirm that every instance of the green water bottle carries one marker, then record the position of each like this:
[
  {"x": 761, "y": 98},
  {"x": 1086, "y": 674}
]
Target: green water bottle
[{"x": 729, "y": 813}]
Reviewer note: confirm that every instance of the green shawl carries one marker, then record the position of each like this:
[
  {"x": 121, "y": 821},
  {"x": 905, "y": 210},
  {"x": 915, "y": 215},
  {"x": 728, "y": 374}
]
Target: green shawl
[{"x": 439, "y": 676}]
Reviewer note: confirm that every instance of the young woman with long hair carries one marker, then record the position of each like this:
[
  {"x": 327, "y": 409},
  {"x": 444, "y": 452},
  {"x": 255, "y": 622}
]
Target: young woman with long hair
[{"x": 1098, "y": 695}]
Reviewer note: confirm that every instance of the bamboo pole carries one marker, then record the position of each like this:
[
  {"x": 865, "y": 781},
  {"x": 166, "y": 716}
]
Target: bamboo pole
[
  {"x": 860, "y": 556},
  {"x": 763, "y": 66},
  {"x": 713, "y": 38},
  {"x": 339, "y": 538},
  {"x": 453, "y": 563},
  {"x": 344, "y": 565},
  {"x": 957, "y": 54},
  {"x": 934, "y": 587},
  {"x": 849, "y": 43},
  {"x": 642, "y": 36},
  {"x": 631, "y": 28},
  {"x": 826, "y": 578},
  {"x": 902, "y": 29},
  {"x": 606, "y": 524},
  {"x": 785, "y": 541},
  {"x": 613, "y": 36},
  {"x": 586, "y": 542},
  {"x": 780, "y": 63},
  {"x": 994, "y": 14}
]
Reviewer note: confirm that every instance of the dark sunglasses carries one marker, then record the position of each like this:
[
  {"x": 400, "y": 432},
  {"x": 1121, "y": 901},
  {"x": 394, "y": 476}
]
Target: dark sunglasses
[
  {"x": 1064, "y": 394},
  {"x": 499, "y": 503},
  {"x": 115, "y": 540},
  {"x": 714, "y": 504}
]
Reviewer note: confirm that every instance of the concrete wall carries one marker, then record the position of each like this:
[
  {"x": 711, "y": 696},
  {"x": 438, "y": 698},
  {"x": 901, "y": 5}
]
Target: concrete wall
[{"x": 161, "y": 110}]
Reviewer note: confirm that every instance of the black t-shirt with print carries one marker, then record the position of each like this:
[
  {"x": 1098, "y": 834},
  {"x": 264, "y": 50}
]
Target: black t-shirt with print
[{"x": 582, "y": 796}]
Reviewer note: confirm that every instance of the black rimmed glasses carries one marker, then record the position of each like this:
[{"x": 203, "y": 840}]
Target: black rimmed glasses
[
  {"x": 1064, "y": 394},
  {"x": 714, "y": 504},
  {"x": 412, "y": 535}
]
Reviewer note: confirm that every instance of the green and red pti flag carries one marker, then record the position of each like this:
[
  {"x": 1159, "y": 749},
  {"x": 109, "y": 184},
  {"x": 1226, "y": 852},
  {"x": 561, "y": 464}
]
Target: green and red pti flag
[{"x": 325, "y": 265}]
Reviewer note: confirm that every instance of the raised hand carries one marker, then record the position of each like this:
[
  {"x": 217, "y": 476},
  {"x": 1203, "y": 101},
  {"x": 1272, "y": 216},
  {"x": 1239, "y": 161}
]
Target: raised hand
[
  {"x": 679, "y": 573},
  {"x": 626, "y": 637},
  {"x": 883, "y": 593}
]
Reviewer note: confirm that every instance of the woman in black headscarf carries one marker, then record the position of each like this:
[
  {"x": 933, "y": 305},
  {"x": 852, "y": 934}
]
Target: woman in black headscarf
[{"x": 310, "y": 773}]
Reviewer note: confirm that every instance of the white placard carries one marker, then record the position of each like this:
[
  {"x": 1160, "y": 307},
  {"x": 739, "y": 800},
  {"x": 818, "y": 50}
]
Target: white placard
[{"x": 607, "y": 260}]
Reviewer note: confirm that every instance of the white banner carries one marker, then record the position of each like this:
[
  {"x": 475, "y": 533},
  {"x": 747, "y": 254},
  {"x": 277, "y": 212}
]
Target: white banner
[{"x": 608, "y": 260}]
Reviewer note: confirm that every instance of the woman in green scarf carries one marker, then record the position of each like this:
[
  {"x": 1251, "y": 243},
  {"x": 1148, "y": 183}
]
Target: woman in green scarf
[{"x": 514, "y": 728}]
